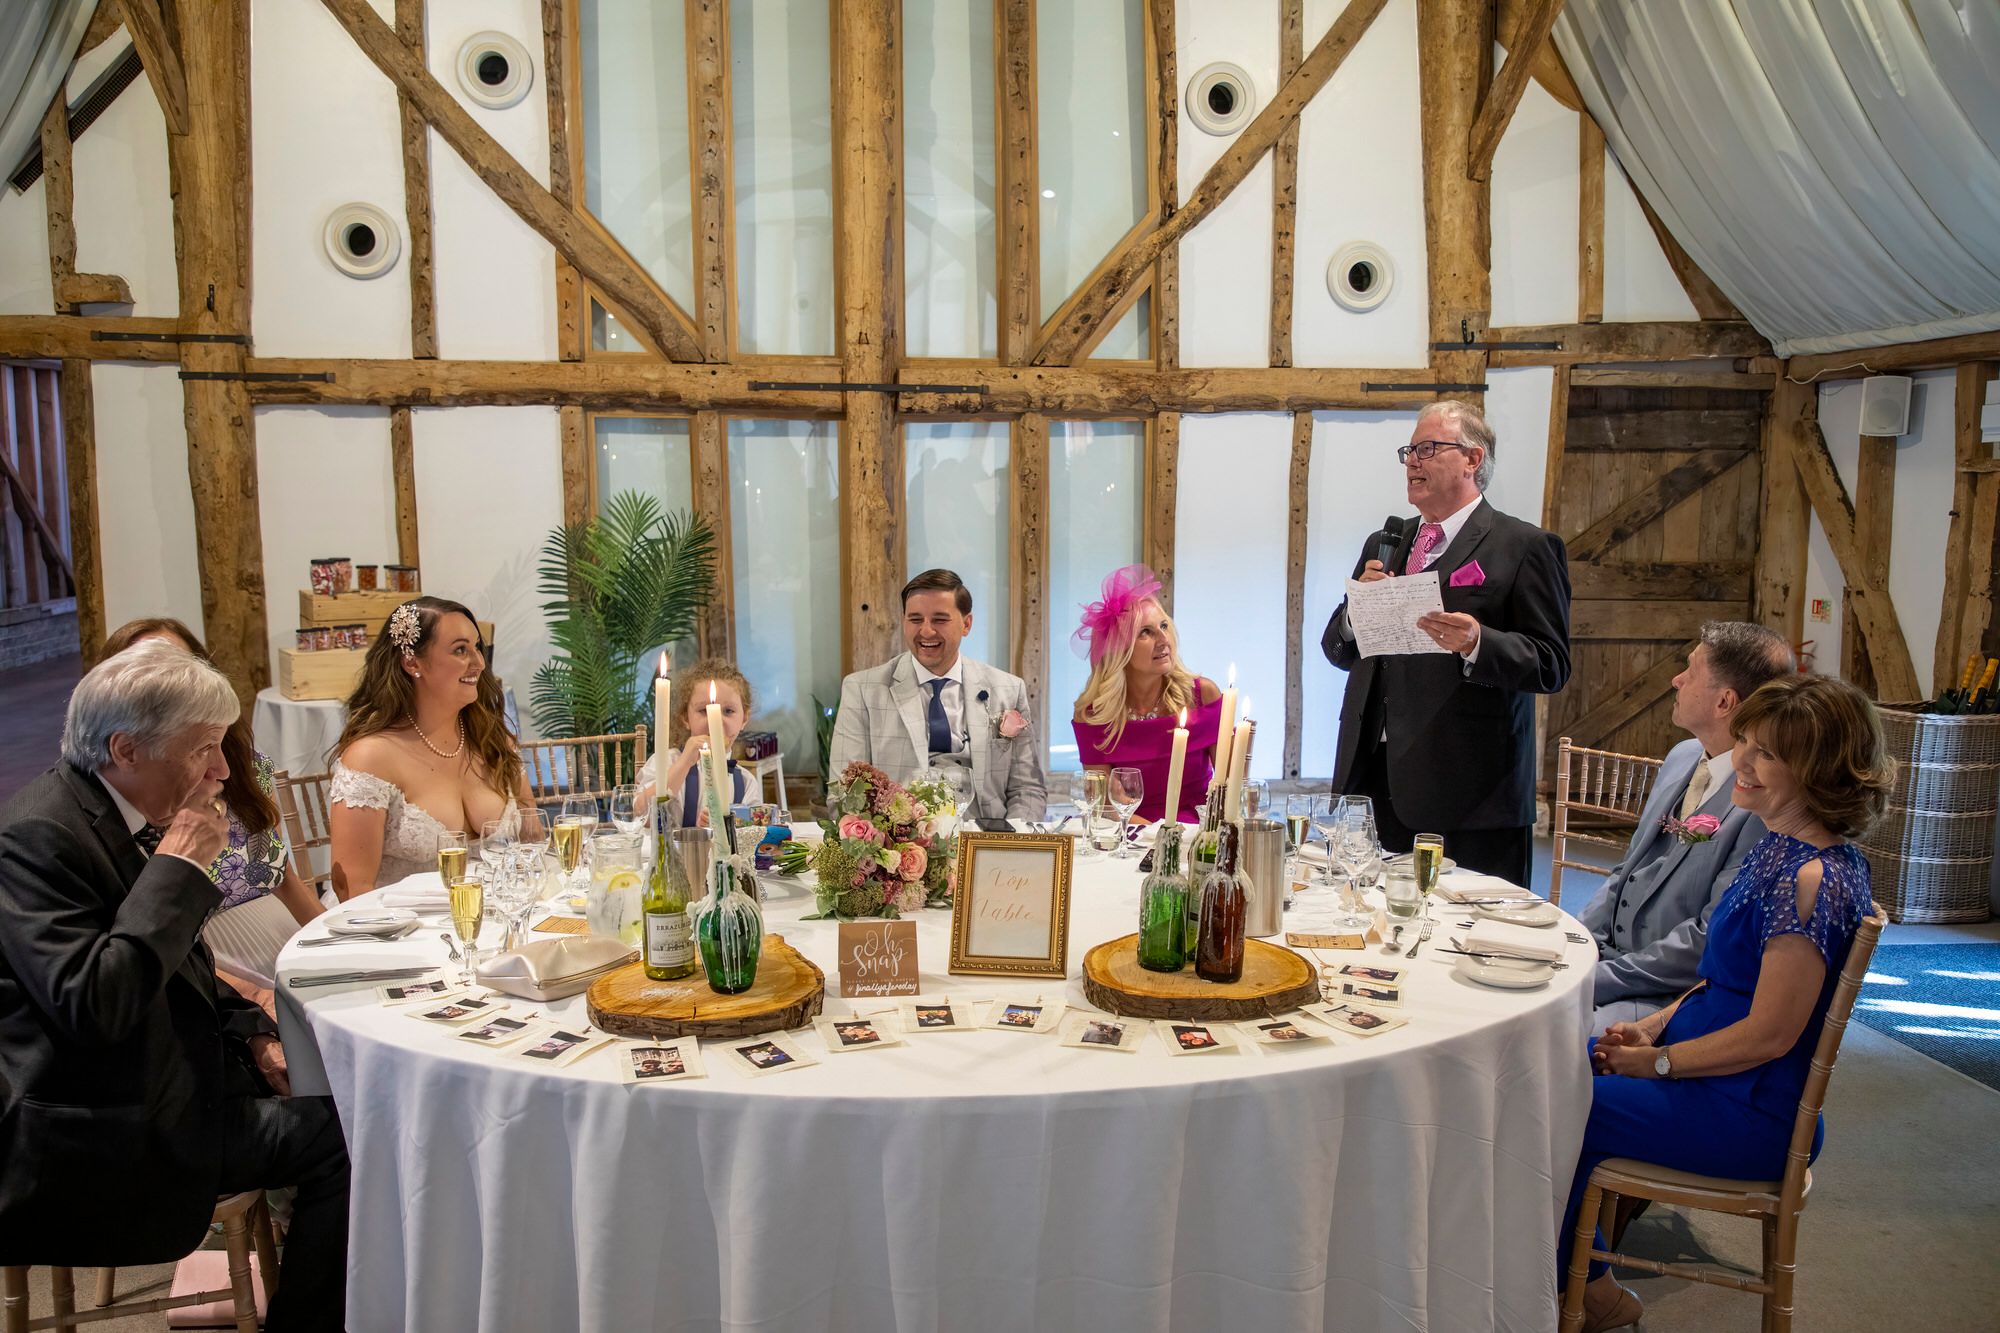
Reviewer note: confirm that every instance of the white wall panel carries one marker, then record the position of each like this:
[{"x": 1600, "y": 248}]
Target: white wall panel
[
  {"x": 1638, "y": 281},
  {"x": 25, "y": 285},
  {"x": 124, "y": 207},
  {"x": 324, "y": 132},
  {"x": 145, "y": 511},
  {"x": 325, "y": 486},
  {"x": 1535, "y": 214}
]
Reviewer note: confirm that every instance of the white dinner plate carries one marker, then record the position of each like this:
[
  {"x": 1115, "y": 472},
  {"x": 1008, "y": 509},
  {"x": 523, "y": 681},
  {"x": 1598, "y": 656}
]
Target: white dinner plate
[
  {"x": 1506, "y": 973},
  {"x": 1530, "y": 913},
  {"x": 369, "y": 921}
]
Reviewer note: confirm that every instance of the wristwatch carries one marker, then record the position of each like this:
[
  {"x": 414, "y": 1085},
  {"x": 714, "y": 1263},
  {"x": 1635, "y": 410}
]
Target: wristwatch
[{"x": 1663, "y": 1063}]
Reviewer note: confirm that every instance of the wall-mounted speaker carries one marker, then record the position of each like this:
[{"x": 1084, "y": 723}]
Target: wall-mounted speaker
[
  {"x": 1885, "y": 405},
  {"x": 1360, "y": 275},
  {"x": 495, "y": 70},
  {"x": 362, "y": 240},
  {"x": 1221, "y": 98}
]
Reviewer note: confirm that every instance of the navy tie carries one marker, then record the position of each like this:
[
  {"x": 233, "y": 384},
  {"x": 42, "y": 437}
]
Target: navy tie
[{"x": 940, "y": 729}]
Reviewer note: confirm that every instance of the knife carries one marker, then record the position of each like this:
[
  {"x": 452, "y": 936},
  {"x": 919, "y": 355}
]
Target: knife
[{"x": 337, "y": 978}]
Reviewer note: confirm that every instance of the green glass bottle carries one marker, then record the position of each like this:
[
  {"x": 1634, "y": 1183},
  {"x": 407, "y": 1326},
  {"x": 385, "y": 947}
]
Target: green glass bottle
[
  {"x": 1201, "y": 860},
  {"x": 669, "y": 941},
  {"x": 1163, "y": 907},
  {"x": 728, "y": 931}
]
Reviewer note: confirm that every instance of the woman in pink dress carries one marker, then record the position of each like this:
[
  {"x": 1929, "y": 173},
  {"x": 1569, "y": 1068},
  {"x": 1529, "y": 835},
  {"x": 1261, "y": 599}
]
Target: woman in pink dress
[{"x": 1137, "y": 691}]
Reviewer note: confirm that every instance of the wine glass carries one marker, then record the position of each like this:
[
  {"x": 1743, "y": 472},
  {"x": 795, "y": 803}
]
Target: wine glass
[
  {"x": 1126, "y": 788},
  {"x": 1087, "y": 792},
  {"x": 1361, "y": 854},
  {"x": 451, "y": 850},
  {"x": 1256, "y": 797},
  {"x": 1327, "y": 815},
  {"x": 625, "y": 809},
  {"x": 468, "y": 909}
]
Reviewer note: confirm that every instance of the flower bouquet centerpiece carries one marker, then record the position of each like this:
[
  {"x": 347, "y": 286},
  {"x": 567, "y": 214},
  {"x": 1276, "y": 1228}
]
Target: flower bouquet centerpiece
[{"x": 889, "y": 849}]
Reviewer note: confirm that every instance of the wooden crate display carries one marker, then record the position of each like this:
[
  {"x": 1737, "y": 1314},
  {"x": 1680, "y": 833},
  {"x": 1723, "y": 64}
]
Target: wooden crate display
[
  {"x": 349, "y": 608},
  {"x": 329, "y": 673}
]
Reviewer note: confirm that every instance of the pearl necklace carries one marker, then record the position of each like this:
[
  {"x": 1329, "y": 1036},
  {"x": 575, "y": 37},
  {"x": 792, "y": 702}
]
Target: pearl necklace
[
  {"x": 427, "y": 740},
  {"x": 1157, "y": 710}
]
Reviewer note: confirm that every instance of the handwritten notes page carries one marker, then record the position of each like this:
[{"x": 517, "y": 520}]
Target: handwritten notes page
[{"x": 1383, "y": 614}]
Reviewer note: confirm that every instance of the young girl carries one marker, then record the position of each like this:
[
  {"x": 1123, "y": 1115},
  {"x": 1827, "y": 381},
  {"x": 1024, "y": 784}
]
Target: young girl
[{"x": 680, "y": 788}]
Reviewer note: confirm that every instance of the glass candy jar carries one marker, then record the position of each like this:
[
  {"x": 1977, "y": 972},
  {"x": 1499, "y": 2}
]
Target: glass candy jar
[
  {"x": 1163, "y": 907},
  {"x": 728, "y": 931}
]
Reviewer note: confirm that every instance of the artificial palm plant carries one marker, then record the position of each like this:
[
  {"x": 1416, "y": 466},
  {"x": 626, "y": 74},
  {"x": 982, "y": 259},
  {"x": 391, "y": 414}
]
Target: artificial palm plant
[{"x": 620, "y": 585}]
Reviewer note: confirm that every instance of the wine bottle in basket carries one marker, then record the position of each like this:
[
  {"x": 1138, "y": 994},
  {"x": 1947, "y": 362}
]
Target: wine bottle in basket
[
  {"x": 1954, "y": 700},
  {"x": 1983, "y": 694}
]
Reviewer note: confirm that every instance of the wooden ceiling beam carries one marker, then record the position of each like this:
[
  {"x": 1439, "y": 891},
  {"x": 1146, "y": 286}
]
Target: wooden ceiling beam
[
  {"x": 1456, "y": 38},
  {"x": 159, "y": 59},
  {"x": 1121, "y": 273},
  {"x": 1932, "y": 354},
  {"x": 652, "y": 318},
  {"x": 1138, "y": 391},
  {"x": 68, "y": 338},
  {"x": 1549, "y": 69},
  {"x": 612, "y": 383},
  {"x": 1505, "y": 94},
  {"x": 1604, "y": 344}
]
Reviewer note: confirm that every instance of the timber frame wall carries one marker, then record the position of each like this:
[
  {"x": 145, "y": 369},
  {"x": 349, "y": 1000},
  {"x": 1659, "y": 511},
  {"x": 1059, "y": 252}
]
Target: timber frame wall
[{"x": 196, "y": 55}]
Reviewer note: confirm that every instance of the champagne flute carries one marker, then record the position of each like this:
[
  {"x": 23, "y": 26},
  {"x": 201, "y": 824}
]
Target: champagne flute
[
  {"x": 1087, "y": 792},
  {"x": 625, "y": 809},
  {"x": 578, "y": 817},
  {"x": 451, "y": 850},
  {"x": 1427, "y": 860},
  {"x": 1126, "y": 789},
  {"x": 468, "y": 908}
]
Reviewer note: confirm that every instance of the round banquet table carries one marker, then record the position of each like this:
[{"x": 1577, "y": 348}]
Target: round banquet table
[{"x": 987, "y": 1180}]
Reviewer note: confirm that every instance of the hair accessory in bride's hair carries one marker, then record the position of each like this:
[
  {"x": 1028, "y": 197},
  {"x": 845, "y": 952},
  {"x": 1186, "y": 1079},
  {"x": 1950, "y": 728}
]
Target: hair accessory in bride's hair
[
  {"x": 1108, "y": 621},
  {"x": 405, "y": 628}
]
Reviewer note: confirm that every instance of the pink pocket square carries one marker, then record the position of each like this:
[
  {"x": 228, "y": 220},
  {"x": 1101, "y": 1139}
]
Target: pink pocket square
[{"x": 1468, "y": 575}]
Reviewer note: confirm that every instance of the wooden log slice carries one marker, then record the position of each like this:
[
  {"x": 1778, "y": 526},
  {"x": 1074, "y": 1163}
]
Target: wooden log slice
[
  {"x": 789, "y": 991},
  {"x": 1275, "y": 981}
]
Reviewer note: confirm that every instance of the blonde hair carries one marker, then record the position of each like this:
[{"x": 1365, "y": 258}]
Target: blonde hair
[
  {"x": 685, "y": 683},
  {"x": 1102, "y": 702}
]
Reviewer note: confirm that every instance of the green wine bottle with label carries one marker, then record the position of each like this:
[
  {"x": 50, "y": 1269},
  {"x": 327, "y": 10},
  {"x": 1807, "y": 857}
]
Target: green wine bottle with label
[{"x": 669, "y": 942}]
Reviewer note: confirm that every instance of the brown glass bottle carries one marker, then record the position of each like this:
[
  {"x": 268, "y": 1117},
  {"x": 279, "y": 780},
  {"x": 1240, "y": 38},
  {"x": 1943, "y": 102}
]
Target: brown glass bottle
[{"x": 1224, "y": 900}]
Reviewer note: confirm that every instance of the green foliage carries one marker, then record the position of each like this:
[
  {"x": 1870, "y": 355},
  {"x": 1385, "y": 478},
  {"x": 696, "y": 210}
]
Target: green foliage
[
  {"x": 622, "y": 584},
  {"x": 823, "y": 719}
]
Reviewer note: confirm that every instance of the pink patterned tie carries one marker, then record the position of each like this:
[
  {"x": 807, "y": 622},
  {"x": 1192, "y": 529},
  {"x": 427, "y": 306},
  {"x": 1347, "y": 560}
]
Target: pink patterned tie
[{"x": 1429, "y": 537}]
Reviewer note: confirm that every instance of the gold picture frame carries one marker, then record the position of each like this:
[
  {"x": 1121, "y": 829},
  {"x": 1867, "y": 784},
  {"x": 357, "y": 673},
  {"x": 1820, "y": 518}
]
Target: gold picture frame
[{"x": 1010, "y": 913}]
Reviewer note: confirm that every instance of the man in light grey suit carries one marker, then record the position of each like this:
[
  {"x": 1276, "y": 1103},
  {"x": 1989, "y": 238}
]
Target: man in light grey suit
[
  {"x": 1651, "y": 918},
  {"x": 931, "y": 707}
]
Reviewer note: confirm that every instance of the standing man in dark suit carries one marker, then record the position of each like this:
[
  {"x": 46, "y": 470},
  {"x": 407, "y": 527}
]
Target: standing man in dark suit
[
  {"x": 135, "y": 1087},
  {"x": 1445, "y": 742}
]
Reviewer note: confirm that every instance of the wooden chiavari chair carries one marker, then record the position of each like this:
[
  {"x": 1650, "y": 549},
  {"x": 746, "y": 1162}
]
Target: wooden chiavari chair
[
  {"x": 1776, "y": 1204},
  {"x": 1607, "y": 787},
  {"x": 302, "y": 804},
  {"x": 590, "y": 766},
  {"x": 246, "y": 1227}
]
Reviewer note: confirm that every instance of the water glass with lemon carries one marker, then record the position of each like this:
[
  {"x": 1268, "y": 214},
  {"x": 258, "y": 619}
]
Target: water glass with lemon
[{"x": 612, "y": 904}]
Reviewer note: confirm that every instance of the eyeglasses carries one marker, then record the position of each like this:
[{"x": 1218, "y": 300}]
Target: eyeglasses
[{"x": 1425, "y": 450}]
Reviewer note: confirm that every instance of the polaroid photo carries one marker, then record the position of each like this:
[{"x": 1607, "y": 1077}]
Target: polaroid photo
[
  {"x": 1353, "y": 1020},
  {"x": 416, "y": 992},
  {"x": 773, "y": 1053},
  {"x": 1369, "y": 974},
  {"x": 1184, "y": 1038},
  {"x": 1370, "y": 993},
  {"x": 500, "y": 1030},
  {"x": 661, "y": 1061},
  {"x": 873, "y": 1032},
  {"x": 1285, "y": 1030},
  {"x": 560, "y": 1046},
  {"x": 1024, "y": 1013},
  {"x": 1103, "y": 1032},
  {"x": 459, "y": 1010},
  {"x": 936, "y": 1015}
]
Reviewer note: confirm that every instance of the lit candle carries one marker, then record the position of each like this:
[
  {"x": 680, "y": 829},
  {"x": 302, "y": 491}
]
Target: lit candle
[
  {"x": 1224, "y": 732},
  {"x": 663, "y": 703},
  {"x": 1239, "y": 763},
  {"x": 718, "y": 761},
  {"x": 1171, "y": 811}
]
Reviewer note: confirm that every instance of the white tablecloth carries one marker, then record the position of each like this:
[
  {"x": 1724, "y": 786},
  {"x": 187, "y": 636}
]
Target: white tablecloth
[
  {"x": 987, "y": 1180},
  {"x": 297, "y": 735}
]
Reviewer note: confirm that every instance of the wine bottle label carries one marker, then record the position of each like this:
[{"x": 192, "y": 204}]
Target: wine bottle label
[{"x": 668, "y": 943}]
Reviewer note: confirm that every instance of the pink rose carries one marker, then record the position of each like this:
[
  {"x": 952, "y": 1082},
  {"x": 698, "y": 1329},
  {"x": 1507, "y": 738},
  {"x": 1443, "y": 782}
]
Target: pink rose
[
  {"x": 914, "y": 861},
  {"x": 859, "y": 826},
  {"x": 1012, "y": 724},
  {"x": 1706, "y": 825}
]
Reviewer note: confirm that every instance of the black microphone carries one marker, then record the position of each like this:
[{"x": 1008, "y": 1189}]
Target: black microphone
[{"x": 1389, "y": 539}]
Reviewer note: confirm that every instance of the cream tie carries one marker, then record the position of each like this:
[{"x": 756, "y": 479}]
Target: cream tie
[{"x": 1697, "y": 791}]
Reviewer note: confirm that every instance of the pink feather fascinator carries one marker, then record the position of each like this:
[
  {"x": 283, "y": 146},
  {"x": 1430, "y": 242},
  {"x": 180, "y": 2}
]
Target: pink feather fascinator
[{"x": 1113, "y": 621}]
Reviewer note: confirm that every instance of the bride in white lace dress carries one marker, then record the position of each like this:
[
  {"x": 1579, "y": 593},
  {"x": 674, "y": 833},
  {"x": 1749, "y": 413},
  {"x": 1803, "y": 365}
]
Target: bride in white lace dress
[{"x": 425, "y": 750}]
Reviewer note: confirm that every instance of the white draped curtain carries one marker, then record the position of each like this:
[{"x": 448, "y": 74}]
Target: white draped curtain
[
  {"x": 38, "y": 42},
  {"x": 1834, "y": 165}
]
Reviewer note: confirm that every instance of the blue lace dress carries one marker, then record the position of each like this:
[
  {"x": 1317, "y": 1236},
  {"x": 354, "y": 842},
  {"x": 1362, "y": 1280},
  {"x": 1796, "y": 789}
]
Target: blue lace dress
[{"x": 1736, "y": 1125}]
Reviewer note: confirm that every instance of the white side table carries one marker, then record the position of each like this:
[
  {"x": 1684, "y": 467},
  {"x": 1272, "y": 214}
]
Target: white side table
[{"x": 773, "y": 763}]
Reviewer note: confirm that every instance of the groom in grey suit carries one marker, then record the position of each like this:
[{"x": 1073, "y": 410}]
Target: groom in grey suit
[
  {"x": 931, "y": 707},
  {"x": 1651, "y": 918}
]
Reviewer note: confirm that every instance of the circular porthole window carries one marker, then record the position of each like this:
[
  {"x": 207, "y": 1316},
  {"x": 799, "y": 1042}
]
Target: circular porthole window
[
  {"x": 362, "y": 240},
  {"x": 495, "y": 70},
  {"x": 1360, "y": 275},
  {"x": 1220, "y": 98}
]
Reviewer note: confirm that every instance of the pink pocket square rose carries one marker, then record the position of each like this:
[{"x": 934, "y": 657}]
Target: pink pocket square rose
[
  {"x": 1706, "y": 824},
  {"x": 1468, "y": 575},
  {"x": 1011, "y": 724}
]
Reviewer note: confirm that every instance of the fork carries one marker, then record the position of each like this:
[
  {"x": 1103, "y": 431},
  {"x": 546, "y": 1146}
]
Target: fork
[
  {"x": 1429, "y": 926},
  {"x": 450, "y": 944}
]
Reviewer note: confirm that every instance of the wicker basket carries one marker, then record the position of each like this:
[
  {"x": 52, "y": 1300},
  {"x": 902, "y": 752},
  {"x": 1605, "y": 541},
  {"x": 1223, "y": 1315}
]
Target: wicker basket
[{"x": 1932, "y": 854}]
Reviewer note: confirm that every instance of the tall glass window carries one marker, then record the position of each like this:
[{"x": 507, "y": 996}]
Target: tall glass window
[
  {"x": 955, "y": 473},
  {"x": 784, "y": 520},
  {"x": 1096, "y": 478},
  {"x": 781, "y": 116},
  {"x": 949, "y": 190},
  {"x": 1091, "y": 128},
  {"x": 636, "y": 178},
  {"x": 649, "y": 454}
]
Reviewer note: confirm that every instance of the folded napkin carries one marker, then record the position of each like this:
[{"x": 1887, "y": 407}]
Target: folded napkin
[
  {"x": 1461, "y": 885},
  {"x": 1514, "y": 941},
  {"x": 418, "y": 899}
]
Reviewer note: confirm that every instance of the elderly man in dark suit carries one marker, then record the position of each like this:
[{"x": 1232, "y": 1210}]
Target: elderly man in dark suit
[
  {"x": 135, "y": 1087},
  {"x": 1445, "y": 742}
]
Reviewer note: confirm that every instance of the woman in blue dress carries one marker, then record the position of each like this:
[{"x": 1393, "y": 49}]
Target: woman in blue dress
[{"x": 1711, "y": 1084}]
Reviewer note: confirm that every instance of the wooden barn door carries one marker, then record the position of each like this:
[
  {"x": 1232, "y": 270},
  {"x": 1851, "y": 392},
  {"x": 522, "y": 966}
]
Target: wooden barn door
[{"x": 1656, "y": 495}]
